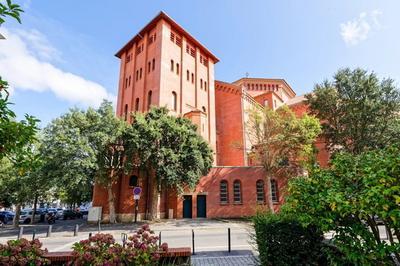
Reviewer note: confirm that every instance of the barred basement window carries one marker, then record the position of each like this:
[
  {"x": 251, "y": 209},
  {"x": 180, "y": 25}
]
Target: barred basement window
[
  {"x": 274, "y": 191},
  {"x": 260, "y": 191},
  {"x": 237, "y": 192},
  {"x": 223, "y": 192}
]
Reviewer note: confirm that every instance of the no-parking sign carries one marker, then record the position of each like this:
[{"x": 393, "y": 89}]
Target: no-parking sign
[{"x": 136, "y": 192}]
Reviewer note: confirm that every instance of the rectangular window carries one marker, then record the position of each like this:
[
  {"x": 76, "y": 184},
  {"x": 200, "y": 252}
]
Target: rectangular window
[
  {"x": 223, "y": 192},
  {"x": 274, "y": 191},
  {"x": 178, "y": 41},
  {"x": 237, "y": 193}
]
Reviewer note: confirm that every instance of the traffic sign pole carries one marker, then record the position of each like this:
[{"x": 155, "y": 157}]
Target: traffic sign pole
[{"x": 136, "y": 197}]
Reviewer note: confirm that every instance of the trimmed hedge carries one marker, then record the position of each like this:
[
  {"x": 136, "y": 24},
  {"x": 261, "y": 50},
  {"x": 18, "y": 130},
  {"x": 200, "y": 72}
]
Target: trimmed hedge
[{"x": 284, "y": 241}]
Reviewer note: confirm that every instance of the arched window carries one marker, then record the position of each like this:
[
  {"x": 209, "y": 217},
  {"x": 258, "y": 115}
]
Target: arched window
[
  {"x": 133, "y": 181},
  {"x": 154, "y": 63},
  {"x": 126, "y": 112},
  {"x": 148, "y": 67},
  {"x": 177, "y": 68},
  {"x": 137, "y": 105},
  {"x": 137, "y": 75},
  {"x": 205, "y": 86},
  {"x": 192, "y": 78},
  {"x": 187, "y": 75},
  {"x": 223, "y": 192},
  {"x": 174, "y": 101},
  {"x": 260, "y": 191},
  {"x": 149, "y": 99},
  {"x": 201, "y": 83},
  {"x": 274, "y": 191},
  {"x": 140, "y": 73},
  {"x": 172, "y": 65},
  {"x": 237, "y": 192}
]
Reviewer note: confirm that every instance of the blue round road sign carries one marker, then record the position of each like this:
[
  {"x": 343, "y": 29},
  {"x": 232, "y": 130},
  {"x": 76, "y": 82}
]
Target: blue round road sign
[{"x": 137, "y": 191}]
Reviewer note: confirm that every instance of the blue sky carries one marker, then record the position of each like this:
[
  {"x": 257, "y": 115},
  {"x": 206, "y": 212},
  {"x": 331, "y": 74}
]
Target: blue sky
[{"x": 63, "y": 53}]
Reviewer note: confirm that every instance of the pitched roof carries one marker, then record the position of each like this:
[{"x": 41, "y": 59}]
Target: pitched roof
[{"x": 178, "y": 28}]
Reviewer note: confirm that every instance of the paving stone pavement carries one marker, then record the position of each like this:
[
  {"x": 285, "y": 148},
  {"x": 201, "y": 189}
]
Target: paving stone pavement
[{"x": 241, "y": 258}]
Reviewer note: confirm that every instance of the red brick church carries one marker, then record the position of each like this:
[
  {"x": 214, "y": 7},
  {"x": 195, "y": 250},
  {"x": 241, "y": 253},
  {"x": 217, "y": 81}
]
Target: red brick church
[{"x": 163, "y": 65}]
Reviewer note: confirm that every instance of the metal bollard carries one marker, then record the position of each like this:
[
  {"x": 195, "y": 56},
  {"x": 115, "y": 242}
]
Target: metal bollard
[
  {"x": 49, "y": 229},
  {"x": 21, "y": 232},
  {"x": 33, "y": 234},
  {"x": 193, "y": 252},
  {"x": 124, "y": 237},
  {"x": 159, "y": 239},
  {"x": 229, "y": 240},
  {"x": 76, "y": 230}
]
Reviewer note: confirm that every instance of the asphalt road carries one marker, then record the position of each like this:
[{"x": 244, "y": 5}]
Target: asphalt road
[{"x": 209, "y": 235}]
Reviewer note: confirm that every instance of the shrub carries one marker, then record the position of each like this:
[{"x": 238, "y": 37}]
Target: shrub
[
  {"x": 284, "y": 241},
  {"x": 99, "y": 249},
  {"x": 22, "y": 252},
  {"x": 140, "y": 249}
]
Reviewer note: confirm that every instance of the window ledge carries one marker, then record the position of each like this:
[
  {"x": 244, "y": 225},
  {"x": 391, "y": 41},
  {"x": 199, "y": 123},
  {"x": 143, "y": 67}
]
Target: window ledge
[
  {"x": 238, "y": 203},
  {"x": 224, "y": 203}
]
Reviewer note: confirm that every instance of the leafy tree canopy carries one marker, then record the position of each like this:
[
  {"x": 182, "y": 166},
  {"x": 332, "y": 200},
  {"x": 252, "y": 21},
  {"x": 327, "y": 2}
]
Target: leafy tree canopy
[
  {"x": 358, "y": 111},
  {"x": 169, "y": 146},
  {"x": 350, "y": 199}
]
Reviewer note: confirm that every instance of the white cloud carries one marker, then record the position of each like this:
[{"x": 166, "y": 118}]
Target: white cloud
[
  {"x": 357, "y": 30},
  {"x": 25, "y": 62}
]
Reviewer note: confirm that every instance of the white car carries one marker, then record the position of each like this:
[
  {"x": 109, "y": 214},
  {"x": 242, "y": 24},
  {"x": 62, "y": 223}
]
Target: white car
[{"x": 26, "y": 216}]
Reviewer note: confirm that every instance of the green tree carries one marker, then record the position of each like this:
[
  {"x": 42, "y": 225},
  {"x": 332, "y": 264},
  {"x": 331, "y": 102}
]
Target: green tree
[
  {"x": 358, "y": 111},
  {"x": 107, "y": 138},
  {"x": 169, "y": 149},
  {"x": 350, "y": 199},
  {"x": 84, "y": 147},
  {"x": 11, "y": 10},
  {"x": 70, "y": 157},
  {"x": 281, "y": 142}
]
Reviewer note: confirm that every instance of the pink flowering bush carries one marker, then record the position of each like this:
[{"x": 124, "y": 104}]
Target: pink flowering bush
[
  {"x": 99, "y": 249},
  {"x": 140, "y": 249},
  {"x": 23, "y": 252}
]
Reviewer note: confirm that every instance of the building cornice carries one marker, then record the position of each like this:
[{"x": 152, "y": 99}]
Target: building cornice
[{"x": 178, "y": 28}]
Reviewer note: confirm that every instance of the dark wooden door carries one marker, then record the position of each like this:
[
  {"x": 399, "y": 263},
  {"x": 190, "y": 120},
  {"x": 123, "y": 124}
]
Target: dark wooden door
[
  {"x": 201, "y": 206},
  {"x": 187, "y": 206}
]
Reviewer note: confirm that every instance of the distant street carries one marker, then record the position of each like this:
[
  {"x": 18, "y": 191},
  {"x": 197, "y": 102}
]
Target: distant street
[{"x": 209, "y": 235}]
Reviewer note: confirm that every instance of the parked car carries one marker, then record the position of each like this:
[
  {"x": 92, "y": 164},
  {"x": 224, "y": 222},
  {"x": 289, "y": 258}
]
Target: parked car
[
  {"x": 26, "y": 216},
  {"x": 60, "y": 212},
  {"x": 54, "y": 211},
  {"x": 71, "y": 214},
  {"x": 6, "y": 216}
]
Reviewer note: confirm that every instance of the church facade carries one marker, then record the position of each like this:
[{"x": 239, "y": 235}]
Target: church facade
[{"x": 163, "y": 65}]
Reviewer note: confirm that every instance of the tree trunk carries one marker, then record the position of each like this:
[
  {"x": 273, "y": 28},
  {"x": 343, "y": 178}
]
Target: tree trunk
[
  {"x": 34, "y": 208},
  {"x": 17, "y": 214},
  {"x": 269, "y": 200},
  {"x": 111, "y": 206},
  {"x": 154, "y": 199}
]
